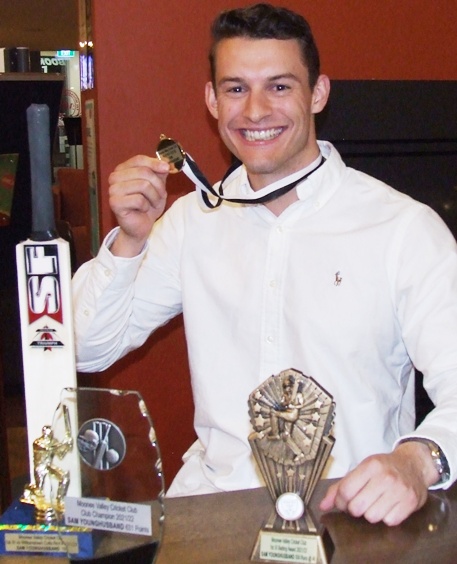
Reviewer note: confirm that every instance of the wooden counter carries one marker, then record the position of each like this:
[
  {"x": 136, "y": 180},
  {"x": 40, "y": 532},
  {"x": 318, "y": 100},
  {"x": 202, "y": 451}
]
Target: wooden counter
[{"x": 223, "y": 528}]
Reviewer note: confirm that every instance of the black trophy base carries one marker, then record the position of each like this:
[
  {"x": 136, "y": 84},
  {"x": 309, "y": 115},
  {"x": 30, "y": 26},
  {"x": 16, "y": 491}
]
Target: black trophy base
[
  {"x": 20, "y": 535},
  {"x": 142, "y": 554}
]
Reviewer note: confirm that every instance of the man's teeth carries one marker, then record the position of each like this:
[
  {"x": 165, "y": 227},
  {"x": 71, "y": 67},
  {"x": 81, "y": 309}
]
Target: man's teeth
[{"x": 262, "y": 135}]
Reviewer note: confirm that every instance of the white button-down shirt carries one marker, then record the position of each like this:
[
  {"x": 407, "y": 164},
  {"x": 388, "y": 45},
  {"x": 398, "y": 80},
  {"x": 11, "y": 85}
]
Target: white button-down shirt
[{"x": 350, "y": 285}]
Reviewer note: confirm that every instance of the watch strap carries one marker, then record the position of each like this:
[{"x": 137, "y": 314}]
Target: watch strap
[{"x": 438, "y": 457}]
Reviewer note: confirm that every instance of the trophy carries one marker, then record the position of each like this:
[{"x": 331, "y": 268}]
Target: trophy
[
  {"x": 121, "y": 487},
  {"x": 109, "y": 504},
  {"x": 292, "y": 417},
  {"x": 46, "y": 448}
]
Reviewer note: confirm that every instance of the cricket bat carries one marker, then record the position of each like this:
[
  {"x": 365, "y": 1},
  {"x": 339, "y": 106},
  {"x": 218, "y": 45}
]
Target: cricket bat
[{"x": 45, "y": 305}]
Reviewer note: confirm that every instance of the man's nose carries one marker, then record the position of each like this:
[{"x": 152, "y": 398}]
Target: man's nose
[{"x": 257, "y": 106}]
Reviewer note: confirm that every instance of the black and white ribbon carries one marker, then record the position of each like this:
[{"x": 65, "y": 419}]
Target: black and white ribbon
[{"x": 212, "y": 197}]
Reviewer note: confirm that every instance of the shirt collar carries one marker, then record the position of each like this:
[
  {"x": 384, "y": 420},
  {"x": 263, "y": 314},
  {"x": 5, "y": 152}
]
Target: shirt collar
[{"x": 306, "y": 190}]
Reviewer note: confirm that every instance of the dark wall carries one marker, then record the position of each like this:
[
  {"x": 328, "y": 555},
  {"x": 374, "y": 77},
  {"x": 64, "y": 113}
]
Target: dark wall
[{"x": 402, "y": 132}]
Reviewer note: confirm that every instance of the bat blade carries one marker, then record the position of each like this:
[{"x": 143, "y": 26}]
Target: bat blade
[{"x": 45, "y": 305}]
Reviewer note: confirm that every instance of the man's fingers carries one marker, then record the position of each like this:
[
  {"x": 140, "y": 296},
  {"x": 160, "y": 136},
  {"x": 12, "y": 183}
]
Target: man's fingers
[
  {"x": 136, "y": 194},
  {"x": 138, "y": 161},
  {"x": 127, "y": 203},
  {"x": 366, "y": 502},
  {"x": 120, "y": 179},
  {"x": 382, "y": 488},
  {"x": 328, "y": 502}
]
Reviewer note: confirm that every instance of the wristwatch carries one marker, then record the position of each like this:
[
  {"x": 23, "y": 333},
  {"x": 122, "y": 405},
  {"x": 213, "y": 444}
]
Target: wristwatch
[{"x": 438, "y": 457}]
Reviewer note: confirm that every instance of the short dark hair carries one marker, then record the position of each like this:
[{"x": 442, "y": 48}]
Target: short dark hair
[{"x": 264, "y": 21}]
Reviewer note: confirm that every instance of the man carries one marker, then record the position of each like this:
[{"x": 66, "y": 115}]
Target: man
[{"x": 339, "y": 276}]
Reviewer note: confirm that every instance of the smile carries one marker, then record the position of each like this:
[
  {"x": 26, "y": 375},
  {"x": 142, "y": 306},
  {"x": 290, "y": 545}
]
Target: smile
[{"x": 261, "y": 135}]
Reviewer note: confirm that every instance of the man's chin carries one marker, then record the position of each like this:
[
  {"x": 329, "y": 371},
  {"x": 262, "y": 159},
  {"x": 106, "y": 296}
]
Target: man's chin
[
  {"x": 260, "y": 169},
  {"x": 258, "y": 164}
]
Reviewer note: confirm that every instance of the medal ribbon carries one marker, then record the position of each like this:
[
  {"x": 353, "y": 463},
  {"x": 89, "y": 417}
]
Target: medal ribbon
[{"x": 266, "y": 194}]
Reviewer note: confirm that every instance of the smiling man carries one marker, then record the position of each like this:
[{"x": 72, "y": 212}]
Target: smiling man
[{"x": 334, "y": 274}]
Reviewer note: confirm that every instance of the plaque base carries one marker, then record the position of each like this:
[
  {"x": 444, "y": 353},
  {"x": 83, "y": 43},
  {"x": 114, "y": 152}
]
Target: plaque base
[
  {"x": 19, "y": 535},
  {"x": 293, "y": 541}
]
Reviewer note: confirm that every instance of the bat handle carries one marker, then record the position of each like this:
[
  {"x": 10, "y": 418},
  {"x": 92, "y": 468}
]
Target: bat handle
[
  {"x": 102, "y": 449},
  {"x": 43, "y": 220}
]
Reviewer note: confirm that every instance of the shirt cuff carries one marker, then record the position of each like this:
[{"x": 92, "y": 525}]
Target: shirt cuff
[{"x": 121, "y": 271}]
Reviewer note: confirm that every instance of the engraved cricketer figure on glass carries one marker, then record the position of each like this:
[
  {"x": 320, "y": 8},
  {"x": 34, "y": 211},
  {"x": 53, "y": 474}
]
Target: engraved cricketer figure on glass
[
  {"x": 292, "y": 418},
  {"x": 101, "y": 444}
]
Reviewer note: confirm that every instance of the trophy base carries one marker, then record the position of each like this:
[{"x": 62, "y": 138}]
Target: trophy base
[
  {"x": 20, "y": 535},
  {"x": 293, "y": 541}
]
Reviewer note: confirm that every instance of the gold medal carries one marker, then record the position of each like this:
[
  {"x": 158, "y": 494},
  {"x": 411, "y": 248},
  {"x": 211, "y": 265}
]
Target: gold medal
[{"x": 171, "y": 152}]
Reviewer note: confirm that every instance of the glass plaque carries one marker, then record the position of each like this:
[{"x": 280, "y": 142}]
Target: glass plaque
[{"x": 112, "y": 510}]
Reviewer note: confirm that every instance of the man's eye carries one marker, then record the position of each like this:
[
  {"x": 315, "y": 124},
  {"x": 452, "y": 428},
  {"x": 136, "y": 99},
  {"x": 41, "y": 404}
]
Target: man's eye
[
  {"x": 281, "y": 87},
  {"x": 235, "y": 89}
]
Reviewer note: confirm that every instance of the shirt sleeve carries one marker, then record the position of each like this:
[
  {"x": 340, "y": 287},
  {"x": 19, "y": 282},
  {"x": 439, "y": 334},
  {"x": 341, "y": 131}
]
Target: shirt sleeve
[
  {"x": 114, "y": 308},
  {"x": 426, "y": 302}
]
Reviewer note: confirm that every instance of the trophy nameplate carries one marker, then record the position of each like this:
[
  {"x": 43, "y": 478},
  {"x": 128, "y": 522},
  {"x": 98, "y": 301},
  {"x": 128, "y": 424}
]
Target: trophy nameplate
[{"x": 292, "y": 418}]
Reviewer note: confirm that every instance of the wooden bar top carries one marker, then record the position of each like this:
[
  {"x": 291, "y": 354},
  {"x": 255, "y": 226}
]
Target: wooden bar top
[{"x": 223, "y": 528}]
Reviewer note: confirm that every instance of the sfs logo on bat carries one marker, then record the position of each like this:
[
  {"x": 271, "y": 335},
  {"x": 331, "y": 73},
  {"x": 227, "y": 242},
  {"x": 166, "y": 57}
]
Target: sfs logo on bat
[
  {"x": 44, "y": 296},
  {"x": 43, "y": 282}
]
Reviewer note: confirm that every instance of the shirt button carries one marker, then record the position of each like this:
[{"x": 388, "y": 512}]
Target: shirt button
[
  {"x": 272, "y": 283},
  {"x": 86, "y": 312},
  {"x": 107, "y": 272},
  {"x": 279, "y": 229},
  {"x": 270, "y": 339}
]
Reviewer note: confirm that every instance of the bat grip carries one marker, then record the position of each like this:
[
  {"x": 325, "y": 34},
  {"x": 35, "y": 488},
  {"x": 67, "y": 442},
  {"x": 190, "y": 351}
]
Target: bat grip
[{"x": 43, "y": 220}]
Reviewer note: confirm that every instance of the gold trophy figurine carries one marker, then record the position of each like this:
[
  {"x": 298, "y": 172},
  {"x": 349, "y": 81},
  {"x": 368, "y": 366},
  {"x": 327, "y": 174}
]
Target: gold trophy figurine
[
  {"x": 292, "y": 418},
  {"x": 48, "y": 476}
]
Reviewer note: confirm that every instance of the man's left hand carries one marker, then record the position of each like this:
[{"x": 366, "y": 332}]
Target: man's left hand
[{"x": 385, "y": 487}]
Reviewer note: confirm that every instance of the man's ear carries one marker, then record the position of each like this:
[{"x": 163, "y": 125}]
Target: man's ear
[
  {"x": 211, "y": 100},
  {"x": 321, "y": 92}
]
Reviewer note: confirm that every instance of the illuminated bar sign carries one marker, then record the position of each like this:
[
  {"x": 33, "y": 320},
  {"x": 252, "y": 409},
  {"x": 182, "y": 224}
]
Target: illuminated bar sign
[{"x": 65, "y": 54}]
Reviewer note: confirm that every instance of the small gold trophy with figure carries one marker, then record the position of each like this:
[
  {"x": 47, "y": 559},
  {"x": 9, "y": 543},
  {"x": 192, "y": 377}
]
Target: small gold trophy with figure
[
  {"x": 48, "y": 475},
  {"x": 292, "y": 417}
]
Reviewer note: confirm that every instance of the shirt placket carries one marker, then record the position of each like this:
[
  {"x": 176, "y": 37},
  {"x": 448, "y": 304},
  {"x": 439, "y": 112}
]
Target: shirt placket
[{"x": 271, "y": 319}]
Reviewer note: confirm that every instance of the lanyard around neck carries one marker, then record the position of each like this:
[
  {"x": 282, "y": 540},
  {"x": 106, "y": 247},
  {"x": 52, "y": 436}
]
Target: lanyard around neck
[{"x": 267, "y": 194}]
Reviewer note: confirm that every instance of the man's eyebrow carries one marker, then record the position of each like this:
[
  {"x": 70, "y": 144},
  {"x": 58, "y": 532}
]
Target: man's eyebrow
[
  {"x": 284, "y": 76},
  {"x": 226, "y": 79}
]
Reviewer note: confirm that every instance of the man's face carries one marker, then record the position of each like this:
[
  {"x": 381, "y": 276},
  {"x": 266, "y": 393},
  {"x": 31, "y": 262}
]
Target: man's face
[{"x": 264, "y": 106}]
